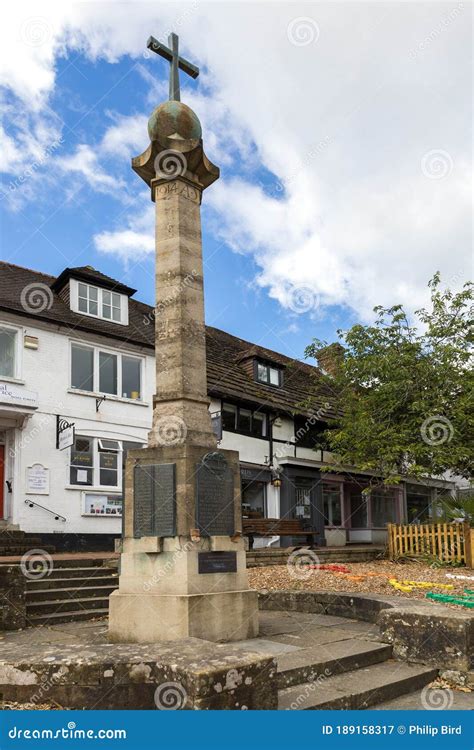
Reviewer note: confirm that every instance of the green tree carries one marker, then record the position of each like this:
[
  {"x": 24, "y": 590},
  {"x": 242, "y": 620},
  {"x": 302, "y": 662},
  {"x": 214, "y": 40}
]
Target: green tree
[{"x": 404, "y": 390}]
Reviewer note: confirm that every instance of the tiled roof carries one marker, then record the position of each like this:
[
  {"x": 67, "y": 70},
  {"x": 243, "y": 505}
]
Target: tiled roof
[
  {"x": 89, "y": 274},
  {"x": 227, "y": 377}
]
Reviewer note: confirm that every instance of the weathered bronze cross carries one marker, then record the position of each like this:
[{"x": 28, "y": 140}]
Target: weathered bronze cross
[{"x": 172, "y": 55}]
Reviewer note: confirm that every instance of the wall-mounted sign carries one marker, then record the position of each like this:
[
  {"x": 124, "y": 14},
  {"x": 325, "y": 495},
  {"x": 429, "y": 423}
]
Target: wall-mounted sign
[
  {"x": 65, "y": 433},
  {"x": 37, "y": 480},
  {"x": 16, "y": 395}
]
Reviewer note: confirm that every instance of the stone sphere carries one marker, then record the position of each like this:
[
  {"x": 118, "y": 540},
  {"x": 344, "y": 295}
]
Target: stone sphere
[{"x": 174, "y": 120}]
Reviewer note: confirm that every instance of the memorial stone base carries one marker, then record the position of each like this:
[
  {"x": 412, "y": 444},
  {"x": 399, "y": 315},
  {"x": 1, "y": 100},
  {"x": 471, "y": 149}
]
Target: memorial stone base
[
  {"x": 162, "y": 595},
  {"x": 183, "y": 563}
]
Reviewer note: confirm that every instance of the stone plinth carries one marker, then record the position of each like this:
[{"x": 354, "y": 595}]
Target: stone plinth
[
  {"x": 188, "y": 674},
  {"x": 162, "y": 594}
]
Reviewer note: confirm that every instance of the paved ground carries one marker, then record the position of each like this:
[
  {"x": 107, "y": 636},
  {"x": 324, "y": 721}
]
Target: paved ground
[
  {"x": 454, "y": 700},
  {"x": 281, "y": 633}
]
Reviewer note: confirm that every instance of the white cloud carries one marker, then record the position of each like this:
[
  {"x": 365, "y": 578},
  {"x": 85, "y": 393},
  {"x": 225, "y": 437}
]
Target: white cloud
[
  {"x": 126, "y": 244},
  {"x": 343, "y": 123},
  {"x": 84, "y": 161}
]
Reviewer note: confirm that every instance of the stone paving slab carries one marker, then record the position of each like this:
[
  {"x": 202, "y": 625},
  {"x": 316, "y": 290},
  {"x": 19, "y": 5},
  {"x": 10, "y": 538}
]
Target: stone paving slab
[
  {"x": 263, "y": 646},
  {"x": 435, "y": 700}
]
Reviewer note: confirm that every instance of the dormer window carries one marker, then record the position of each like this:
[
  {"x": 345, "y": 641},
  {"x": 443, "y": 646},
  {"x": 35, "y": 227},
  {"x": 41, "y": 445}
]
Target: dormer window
[
  {"x": 97, "y": 302},
  {"x": 268, "y": 373}
]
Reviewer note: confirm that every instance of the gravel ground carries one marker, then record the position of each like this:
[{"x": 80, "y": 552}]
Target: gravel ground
[{"x": 365, "y": 578}]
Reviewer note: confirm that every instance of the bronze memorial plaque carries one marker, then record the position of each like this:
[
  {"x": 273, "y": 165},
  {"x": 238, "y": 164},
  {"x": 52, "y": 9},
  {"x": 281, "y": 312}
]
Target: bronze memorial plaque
[
  {"x": 154, "y": 499},
  {"x": 215, "y": 496}
]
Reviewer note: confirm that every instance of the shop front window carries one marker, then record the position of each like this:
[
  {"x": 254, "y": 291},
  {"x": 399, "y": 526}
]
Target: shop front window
[
  {"x": 332, "y": 504},
  {"x": 358, "y": 509},
  {"x": 254, "y": 499},
  {"x": 303, "y": 500},
  {"x": 383, "y": 506},
  {"x": 418, "y": 503}
]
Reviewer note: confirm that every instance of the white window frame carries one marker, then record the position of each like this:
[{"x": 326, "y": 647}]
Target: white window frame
[
  {"x": 18, "y": 363},
  {"x": 74, "y": 299},
  {"x": 96, "y": 370},
  {"x": 96, "y": 486}
]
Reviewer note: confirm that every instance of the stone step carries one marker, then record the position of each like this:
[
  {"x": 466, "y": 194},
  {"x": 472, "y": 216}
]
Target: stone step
[
  {"x": 15, "y": 549},
  {"x": 309, "y": 664},
  {"x": 85, "y": 562},
  {"x": 89, "y": 572},
  {"x": 67, "y": 616},
  {"x": 99, "y": 579},
  {"x": 53, "y": 606},
  {"x": 358, "y": 689},
  {"x": 58, "y": 594}
]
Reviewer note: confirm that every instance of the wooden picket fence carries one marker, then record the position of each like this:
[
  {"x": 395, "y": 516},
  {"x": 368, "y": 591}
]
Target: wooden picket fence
[{"x": 448, "y": 542}]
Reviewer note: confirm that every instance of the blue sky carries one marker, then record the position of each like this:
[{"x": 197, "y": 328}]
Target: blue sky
[{"x": 343, "y": 145}]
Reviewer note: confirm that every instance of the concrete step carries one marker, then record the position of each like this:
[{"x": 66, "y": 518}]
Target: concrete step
[
  {"x": 67, "y": 616},
  {"x": 358, "y": 689},
  {"x": 99, "y": 579},
  {"x": 53, "y": 606},
  {"x": 68, "y": 593},
  {"x": 309, "y": 664}
]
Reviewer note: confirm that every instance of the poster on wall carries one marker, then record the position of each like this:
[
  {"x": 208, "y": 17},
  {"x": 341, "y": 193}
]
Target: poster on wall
[
  {"x": 102, "y": 505},
  {"x": 37, "y": 480}
]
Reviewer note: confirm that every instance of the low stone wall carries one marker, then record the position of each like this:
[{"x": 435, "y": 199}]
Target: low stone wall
[
  {"x": 12, "y": 598},
  {"x": 189, "y": 674},
  {"x": 420, "y": 632},
  {"x": 279, "y": 555}
]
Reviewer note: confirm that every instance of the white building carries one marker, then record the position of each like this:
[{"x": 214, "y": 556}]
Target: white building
[{"x": 77, "y": 350}]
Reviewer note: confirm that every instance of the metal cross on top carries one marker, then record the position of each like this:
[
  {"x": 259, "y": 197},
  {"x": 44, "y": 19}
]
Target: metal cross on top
[{"x": 172, "y": 55}]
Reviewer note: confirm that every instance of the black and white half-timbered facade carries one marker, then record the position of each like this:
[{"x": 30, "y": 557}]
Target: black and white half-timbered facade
[{"x": 77, "y": 378}]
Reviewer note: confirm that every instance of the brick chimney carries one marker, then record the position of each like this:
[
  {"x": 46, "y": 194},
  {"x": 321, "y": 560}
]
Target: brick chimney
[{"x": 330, "y": 358}]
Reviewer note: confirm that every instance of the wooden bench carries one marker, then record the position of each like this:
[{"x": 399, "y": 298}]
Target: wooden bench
[{"x": 253, "y": 527}]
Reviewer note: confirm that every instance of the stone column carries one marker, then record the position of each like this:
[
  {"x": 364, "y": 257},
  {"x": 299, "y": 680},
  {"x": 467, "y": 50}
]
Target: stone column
[
  {"x": 183, "y": 562},
  {"x": 181, "y": 404}
]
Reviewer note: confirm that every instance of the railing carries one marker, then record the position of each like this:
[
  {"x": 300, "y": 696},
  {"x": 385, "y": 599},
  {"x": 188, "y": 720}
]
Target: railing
[
  {"x": 448, "y": 542},
  {"x": 33, "y": 504}
]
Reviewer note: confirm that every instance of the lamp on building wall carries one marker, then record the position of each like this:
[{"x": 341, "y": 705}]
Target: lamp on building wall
[{"x": 275, "y": 478}]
